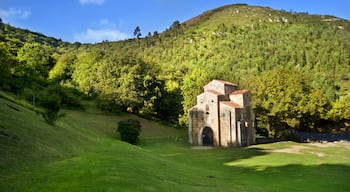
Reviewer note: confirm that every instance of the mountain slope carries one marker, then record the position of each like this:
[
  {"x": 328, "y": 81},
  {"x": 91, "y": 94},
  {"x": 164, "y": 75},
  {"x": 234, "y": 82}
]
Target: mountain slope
[
  {"x": 242, "y": 14},
  {"x": 20, "y": 36}
]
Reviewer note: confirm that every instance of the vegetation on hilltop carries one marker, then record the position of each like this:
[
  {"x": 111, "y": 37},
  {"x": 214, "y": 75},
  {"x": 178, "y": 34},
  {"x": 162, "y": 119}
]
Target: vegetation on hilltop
[{"x": 296, "y": 65}]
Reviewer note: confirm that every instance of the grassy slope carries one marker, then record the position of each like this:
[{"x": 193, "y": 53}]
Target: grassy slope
[
  {"x": 82, "y": 154},
  {"x": 245, "y": 15}
]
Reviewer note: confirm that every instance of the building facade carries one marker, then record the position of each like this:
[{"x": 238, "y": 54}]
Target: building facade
[{"x": 223, "y": 116}]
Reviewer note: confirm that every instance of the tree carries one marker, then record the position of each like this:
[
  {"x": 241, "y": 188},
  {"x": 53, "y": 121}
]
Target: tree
[
  {"x": 63, "y": 69},
  {"x": 51, "y": 101},
  {"x": 284, "y": 99},
  {"x": 175, "y": 28},
  {"x": 85, "y": 67},
  {"x": 169, "y": 107},
  {"x": 340, "y": 109},
  {"x": 37, "y": 59},
  {"x": 137, "y": 32},
  {"x": 129, "y": 130},
  {"x": 6, "y": 61}
]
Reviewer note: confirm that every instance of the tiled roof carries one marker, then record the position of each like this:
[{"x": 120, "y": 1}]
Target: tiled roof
[
  {"x": 231, "y": 104},
  {"x": 221, "y": 81},
  {"x": 214, "y": 92},
  {"x": 238, "y": 92},
  {"x": 226, "y": 82}
]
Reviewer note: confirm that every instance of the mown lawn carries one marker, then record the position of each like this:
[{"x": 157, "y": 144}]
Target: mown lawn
[{"x": 83, "y": 153}]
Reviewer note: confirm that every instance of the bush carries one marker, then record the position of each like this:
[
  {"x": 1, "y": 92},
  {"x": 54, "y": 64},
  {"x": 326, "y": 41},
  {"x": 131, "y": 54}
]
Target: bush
[
  {"x": 51, "y": 105},
  {"x": 50, "y": 100},
  {"x": 108, "y": 104},
  {"x": 129, "y": 130},
  {"x": 71, "y": 98}
]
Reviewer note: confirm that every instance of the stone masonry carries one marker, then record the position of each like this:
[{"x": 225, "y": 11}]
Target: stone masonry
[{"x": 223, "y": 116}]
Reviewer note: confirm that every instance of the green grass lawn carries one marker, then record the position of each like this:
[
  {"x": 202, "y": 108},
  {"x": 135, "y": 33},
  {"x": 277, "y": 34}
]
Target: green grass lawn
[{"x": 83, "y": 153}]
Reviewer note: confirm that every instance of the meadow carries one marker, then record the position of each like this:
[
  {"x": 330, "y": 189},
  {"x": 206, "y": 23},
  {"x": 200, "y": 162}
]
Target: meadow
[{"x": 83, "y": 153}]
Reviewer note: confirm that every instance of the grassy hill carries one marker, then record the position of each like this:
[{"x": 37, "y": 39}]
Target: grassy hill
[
  {"x": 18, "y": 36},
  {"x": 245, "y": 15},
  {"x": 83, "y": 153}
]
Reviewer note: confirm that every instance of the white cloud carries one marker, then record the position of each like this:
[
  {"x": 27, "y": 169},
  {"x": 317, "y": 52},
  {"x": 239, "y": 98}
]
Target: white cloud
[
  {"x": 101, "y": 30},
  {"x": 98, "y": 35},
  {"x": 105, "y": 23},
  {"x": 13, "y": 13},
  {"x": 97, "y": 2}
]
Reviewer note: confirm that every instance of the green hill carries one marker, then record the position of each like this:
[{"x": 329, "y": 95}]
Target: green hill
[
  {"x": 26, "y": 138},
  {"x": 245, "y": 15},
  {"x": 18, "y": 36},
  {"x": 83, "y": 153}
]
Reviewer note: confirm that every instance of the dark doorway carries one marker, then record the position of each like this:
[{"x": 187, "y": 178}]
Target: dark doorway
[
  {"x": 244, "y": 136},
  {"x": 207, "y": 136}
]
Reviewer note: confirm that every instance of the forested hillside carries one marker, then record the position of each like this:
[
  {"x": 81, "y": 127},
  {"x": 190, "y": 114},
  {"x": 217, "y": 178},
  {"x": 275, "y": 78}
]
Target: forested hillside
[{"x": 296, "y": 65}]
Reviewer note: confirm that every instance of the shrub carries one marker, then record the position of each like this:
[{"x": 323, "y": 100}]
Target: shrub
[
  {"x": 51, "y": 105},
  {"x": 50, "y": 100},
  {"x": 129, "y": 130},
  {"x": 104, "y": 103},
  {"x": 70, "y": 98}
]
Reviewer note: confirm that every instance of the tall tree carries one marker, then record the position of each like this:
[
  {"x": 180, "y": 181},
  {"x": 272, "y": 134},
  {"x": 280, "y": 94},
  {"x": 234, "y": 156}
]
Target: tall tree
[
  {"x": 137, "y": 32},
  {"x": 284, "y": 99},
  {"x": 37, "y": 59}
]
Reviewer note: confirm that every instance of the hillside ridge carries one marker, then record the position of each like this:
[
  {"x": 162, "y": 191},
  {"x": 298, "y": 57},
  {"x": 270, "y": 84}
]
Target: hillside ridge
[{"x": 244, "y": 14}]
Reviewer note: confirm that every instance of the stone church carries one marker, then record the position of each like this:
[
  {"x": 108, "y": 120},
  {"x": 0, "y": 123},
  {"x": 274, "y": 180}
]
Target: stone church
[{"x": 223, "y": 116}]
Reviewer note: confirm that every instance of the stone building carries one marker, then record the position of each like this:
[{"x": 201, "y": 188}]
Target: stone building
[{"x": 223, "y": 116}]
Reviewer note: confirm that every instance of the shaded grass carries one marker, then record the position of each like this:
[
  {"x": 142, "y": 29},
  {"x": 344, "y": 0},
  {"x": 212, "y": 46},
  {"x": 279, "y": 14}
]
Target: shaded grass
[{"x": 82, "y": 153}]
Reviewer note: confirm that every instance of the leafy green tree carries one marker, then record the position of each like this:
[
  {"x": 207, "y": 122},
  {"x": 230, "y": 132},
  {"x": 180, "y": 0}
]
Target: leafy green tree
[
  {"x": 284, "y": 99},
  {"x": 85, "y": 67},
  {"x": 6, "y": 60},
  {"x": 50, "y": 101},
  {"x": 7, "y": 64},
  {"x": 37, "y": 59},
  {"x": 129, "y": 130},
  {"x": 138, "y": 87},
  {"x": 169, "y": 106},
  {"x": 63, "y": 69},
  {"x": 340, "y": 109}
]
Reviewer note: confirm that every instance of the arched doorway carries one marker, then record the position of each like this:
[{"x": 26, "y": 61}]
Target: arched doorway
[{"x": 207, "y": 136}]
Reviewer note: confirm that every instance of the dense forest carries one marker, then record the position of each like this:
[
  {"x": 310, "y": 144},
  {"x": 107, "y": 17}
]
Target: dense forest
[{"x": 296, "y": 65}]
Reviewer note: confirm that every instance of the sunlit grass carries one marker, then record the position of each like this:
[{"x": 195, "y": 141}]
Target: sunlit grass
[{"x": 83, "y": 153}]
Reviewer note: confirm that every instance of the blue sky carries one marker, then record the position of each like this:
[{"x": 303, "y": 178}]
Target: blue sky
[{"x": 91, "y": 21}]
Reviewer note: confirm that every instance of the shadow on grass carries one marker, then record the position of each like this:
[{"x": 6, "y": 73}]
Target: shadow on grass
[
  {"x": 305, "y": 137},
  {"x": 247, "y": 153}
]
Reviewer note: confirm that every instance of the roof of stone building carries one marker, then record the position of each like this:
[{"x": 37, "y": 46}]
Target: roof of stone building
[
  {"x": 238, "y": 92},
  {"x": 221, "y": 81},
  {"x": 231, "y": 104},
  {"x": 214, "y": 92},
  {"x": 226, "y": 82}
]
